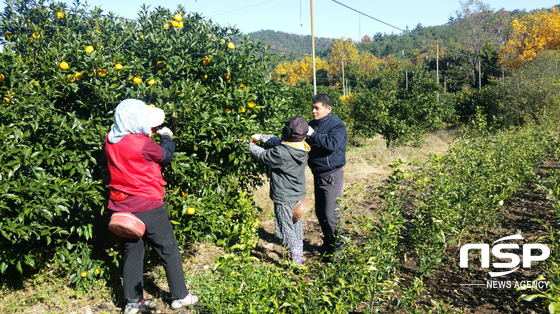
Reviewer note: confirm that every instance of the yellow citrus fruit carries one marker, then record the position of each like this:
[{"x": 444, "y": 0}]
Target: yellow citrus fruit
[
  {"x": 142, "y": 36},
  {"x": 137, "y": 80},
  {"x": 89, "y": 49},
  {"x": 79, "y": 75},
  {"x": 231, "y": 45},
  {"x": 118, "y": 66},
  {"x": 228, "y": 76},
  {"x": 71, "y": 78},
  {"x": 241, "y": 86},
  {"x": 251, "y": 104},
  {"x": 184, "y": 193},
  {"x": 2, "y": 77},
  {"x": 151, "y": 82},
  {"x": 175, "y": 23},
  {"x": 63, "y": 65},
  {"x": 60, "y": 15},
  {"x": 152, "y": 105},
  {"x": 178, "y": 17},
  {"x": 190, "y": 210},
  {"x": 180, "y": 25},
  {"x": 101, "y": 72},
  {"x": 6, "y": 101},
  {"x": 160, "y": 64},
  {"x": 166, "y": 26},
  {"x": 242, "y": 109},
  {"x": 206, "y": 60},
  {"x": 227, "y": 110},
  {"x": 97, "y": 271},
  {"x": 223, "y": 41},
  {"x": 83, "y": 274},
  {"x": 204, "y": 77}
]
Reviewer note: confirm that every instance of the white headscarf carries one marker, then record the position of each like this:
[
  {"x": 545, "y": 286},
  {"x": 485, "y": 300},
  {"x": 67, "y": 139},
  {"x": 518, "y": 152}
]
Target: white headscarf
[{"x": 133, "y": 116}]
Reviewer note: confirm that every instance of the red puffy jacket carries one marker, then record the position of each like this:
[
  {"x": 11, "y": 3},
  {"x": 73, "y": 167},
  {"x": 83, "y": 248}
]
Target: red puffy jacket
[{"x": 130, "y": 172}]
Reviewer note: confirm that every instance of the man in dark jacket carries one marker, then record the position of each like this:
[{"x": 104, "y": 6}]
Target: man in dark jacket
[{"x": 327, "y": 137}]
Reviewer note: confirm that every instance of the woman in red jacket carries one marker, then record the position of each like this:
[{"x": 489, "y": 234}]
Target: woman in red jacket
[{"x": 135, "y": 162}]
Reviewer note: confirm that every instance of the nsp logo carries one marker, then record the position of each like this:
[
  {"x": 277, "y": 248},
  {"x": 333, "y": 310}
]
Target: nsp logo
[{"x": 497, "y": 251}]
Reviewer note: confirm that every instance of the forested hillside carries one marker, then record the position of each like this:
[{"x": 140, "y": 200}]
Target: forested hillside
[
  {"x": 461, "y": 32},
  {"x": 293, "y": 45}
]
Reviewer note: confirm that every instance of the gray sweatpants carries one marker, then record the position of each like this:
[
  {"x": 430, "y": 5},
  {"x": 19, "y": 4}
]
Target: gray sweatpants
[{"x": 327, "y": 190}]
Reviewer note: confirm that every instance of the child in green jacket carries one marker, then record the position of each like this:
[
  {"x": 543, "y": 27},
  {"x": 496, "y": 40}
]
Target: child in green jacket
[{"x": 287, "y": 160}]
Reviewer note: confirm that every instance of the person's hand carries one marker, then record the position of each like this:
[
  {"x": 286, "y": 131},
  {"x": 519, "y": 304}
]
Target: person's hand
[
  {"x": 310, "y": 131},
  {"x": 253, "y": 141},
  {"x": 257, "y": 137},
  {"x": 164, "y": 131}
]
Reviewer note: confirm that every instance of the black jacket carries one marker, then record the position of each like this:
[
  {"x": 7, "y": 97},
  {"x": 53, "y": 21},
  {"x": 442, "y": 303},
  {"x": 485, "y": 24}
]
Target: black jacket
[{"x": 328, "y": 145}]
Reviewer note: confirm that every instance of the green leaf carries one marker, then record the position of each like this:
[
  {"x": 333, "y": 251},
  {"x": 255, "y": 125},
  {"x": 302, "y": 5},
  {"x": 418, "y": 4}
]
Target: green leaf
[
  {"x": 531, "y": 297},
  {"x": 554, "y": 307}
]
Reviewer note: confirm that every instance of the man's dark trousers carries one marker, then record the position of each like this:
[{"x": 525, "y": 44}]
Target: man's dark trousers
[{"x": 327, "y": 191}]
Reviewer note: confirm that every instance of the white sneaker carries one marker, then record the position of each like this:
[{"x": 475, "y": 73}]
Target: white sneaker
[
  {"x": 188, "y": 300},
  {"x": 133, "y": 308}
]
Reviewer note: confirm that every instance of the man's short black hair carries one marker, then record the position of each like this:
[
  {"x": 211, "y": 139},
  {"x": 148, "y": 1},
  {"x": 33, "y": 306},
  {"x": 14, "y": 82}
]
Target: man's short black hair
[{"x": 324, "y": 99}]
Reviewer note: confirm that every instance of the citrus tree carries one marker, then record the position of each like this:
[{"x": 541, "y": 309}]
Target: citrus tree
[
  {"x": 385, "y": 105},
  {"x": 63, "y": 70}
]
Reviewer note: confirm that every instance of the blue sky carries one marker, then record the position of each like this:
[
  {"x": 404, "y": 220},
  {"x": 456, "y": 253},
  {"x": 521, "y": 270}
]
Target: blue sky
[{"x": 330, "y": 18}]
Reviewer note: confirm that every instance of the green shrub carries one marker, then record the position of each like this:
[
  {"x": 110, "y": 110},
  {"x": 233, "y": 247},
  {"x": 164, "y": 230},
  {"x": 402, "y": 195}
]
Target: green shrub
[
  {"x": 532, "y": 92},
  {"x": 384, "y": 105}
]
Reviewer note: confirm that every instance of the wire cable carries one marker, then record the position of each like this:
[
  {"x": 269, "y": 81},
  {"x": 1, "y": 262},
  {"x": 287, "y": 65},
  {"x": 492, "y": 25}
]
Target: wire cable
[
  {"x": 407, "y": 32},
  {"x": 254, "y": 5}
]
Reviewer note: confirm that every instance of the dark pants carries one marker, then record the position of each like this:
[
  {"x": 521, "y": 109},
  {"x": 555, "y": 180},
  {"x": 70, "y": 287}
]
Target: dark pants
[
  {"x": 327, "y": 190},
  {"x": 159, "y": 233}
]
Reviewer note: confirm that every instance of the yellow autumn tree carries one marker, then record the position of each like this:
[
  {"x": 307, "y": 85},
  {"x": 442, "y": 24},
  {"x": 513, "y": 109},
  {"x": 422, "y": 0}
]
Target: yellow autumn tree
[
  {"x": 367, "y": 63},
  {"x": 531, "y": 35},
  {"x": 296, "y": 71},
  {"x": 342, "y": 51}
]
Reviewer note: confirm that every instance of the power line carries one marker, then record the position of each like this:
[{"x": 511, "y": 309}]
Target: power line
[
  {"x": 371, "y": 17},
  {"x": 402, "y": 30},
  {"x": 254, "y": 5}
]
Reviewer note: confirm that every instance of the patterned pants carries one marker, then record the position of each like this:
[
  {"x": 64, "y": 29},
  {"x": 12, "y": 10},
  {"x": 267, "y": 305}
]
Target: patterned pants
[{"x": 289, "y": 233}]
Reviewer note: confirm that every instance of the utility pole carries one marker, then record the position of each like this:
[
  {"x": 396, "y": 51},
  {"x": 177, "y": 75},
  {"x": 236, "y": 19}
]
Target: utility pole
[
  {"x": 479, "y": 76},
  {"x": 360, "y": 25},
  {"x": 313, "y": 51},
  {"x": 406, "y": 79},
  {"x": 343, "y": 85},
  {"x": 437, "y": 63}
]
